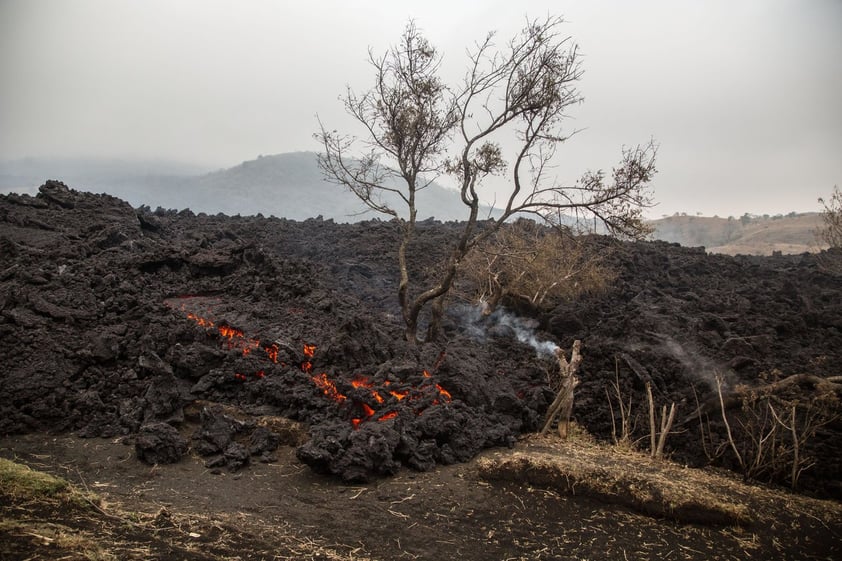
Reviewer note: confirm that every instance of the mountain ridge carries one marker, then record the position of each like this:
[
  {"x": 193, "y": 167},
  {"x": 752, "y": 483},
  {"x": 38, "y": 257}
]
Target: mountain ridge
[{"x": 290, "y": 185}]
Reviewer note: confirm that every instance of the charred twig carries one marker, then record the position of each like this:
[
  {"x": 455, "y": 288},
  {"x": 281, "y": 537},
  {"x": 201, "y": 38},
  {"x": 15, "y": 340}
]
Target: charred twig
[{"x": 727, "y": 424}]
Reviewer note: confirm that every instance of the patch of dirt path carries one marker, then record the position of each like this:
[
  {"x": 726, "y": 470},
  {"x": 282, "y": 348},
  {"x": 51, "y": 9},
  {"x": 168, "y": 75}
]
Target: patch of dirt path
[{"x": 449, "y": 512}]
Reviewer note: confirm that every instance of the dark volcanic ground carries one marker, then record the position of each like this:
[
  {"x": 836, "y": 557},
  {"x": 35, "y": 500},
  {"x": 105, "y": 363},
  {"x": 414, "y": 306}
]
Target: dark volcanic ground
[{"x": 114, "y": 319}]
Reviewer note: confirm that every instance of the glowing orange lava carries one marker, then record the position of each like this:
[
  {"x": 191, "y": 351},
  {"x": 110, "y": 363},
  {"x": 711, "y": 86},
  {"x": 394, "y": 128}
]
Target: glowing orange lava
[
  {"x": 328, "y": 387},
  {"x": 399, "y": 395},
  {"x": 363, "y": 382},
  {"x": 272, "y": 352},
  {"x": 236, "y": 339},
  {"x": 444, "y": 393}
]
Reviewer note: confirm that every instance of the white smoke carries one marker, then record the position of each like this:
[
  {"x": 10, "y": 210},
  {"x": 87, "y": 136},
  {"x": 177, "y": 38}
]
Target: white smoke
[
  {"x": 694, "y": 362},
  {"x": 501, "y": 322}
]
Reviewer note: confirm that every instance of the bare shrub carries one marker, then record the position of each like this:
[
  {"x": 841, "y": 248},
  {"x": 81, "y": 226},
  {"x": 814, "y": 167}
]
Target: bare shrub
[
  {"x": 623, "y": 439},
  {"x": 534, "y": 263},
  {"x": 831, "y": 233},
  {"x": 658, "y": 438},
  {"x": 417, "y": 127},
  {"x": 774, "y": 424}
]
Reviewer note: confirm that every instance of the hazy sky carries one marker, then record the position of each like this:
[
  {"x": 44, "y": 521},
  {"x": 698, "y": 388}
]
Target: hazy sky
[{"x": 743, "y": 96}]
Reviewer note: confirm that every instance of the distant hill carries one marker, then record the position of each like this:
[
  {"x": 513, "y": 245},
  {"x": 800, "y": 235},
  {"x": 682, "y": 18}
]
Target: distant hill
[
  {"x": 91, "y": 174},
  {"x": 291, "y": 186},
  {"x": 747, "y": 235},
  {"x": 284, "y": 185}
]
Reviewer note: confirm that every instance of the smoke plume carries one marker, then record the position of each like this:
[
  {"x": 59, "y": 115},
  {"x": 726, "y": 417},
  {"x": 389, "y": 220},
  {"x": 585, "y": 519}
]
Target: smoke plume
[{"x": 502, "y": 323}]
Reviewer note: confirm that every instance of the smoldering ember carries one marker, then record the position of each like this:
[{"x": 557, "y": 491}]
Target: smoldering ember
[{"x": 148, "y": 325}]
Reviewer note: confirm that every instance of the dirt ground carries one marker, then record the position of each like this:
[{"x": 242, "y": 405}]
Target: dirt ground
[{"x": 282, "y": 510}]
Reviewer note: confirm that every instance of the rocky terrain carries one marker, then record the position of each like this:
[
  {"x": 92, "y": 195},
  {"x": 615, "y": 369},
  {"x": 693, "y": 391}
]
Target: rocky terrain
[
  {"x": 126, "y": 322},
  {"x": 224, "y": 345}
]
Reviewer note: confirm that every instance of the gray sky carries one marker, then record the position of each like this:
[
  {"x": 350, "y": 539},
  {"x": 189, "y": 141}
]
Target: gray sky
[{"x": 743, "y": 96}]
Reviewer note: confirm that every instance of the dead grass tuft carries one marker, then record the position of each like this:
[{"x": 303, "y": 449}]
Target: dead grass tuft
[{"x": 619, "y": 477}]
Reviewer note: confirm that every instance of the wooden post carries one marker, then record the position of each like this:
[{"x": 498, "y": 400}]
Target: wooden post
[{"x": 562, "y": 405}]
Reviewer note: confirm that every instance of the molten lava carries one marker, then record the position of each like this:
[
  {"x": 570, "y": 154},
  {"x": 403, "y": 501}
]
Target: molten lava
[
  {"x": 328, "y": 387},
  {"x": 384, "y": 395},
  {"x": 199, "y": 320},
  {"x": 272, "y": 352},
  {"x": 389, "y": 415},
  {"x": 444, "y": 393},
  {"x": 227, "y": 331},
  {"x": 363, "y": 382}
]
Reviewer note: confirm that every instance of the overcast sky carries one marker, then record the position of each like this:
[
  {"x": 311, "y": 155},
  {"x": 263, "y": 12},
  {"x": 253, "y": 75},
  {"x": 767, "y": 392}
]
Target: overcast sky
[{"x": 744, "y": 97}]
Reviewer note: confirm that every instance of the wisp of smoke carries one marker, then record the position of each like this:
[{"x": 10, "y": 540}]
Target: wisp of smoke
[
  {"x": 694, "y": 362},
  {"x": 502, "y": 322}
]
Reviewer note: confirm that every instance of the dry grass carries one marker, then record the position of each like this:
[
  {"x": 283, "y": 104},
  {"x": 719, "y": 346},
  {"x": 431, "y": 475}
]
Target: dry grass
[
  {"x": 618, "y": 476},
  {"x": 789, "y": 235},
  {"x": 46, "y": 517}
]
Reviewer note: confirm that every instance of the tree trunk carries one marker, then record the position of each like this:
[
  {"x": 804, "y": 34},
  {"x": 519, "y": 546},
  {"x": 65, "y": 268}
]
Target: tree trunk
[
  {"x": 436, "y": 315},
  {"x": 403, "y": 286},
  {"x": 562, "y": 406}
]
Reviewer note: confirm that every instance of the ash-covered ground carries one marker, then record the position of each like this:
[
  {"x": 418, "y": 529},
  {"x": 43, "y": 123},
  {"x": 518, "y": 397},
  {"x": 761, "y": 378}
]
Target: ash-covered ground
[{"x": 118, "y": 321}]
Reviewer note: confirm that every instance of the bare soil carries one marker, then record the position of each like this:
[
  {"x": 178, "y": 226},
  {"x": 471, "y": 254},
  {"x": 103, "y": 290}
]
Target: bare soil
[{"x": 282, "y": 510}]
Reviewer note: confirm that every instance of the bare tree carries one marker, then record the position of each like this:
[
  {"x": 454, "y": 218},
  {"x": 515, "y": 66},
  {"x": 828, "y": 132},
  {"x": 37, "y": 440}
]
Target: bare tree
[{"x": 417, "y": 128}]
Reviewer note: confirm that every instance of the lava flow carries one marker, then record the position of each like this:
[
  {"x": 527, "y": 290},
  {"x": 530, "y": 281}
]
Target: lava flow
[
  {"x": 413, "y": 394},
  {"x": 382, "y": 399},
  {"x": 236, "y": 338}
]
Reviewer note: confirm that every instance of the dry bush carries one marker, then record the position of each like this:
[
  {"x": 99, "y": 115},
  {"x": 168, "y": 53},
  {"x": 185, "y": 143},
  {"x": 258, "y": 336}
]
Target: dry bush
[
  {"x": 534, "y": 263},
  {"x": 769, "y": 434},
  {"x": 658, "y": 438},
  {"x": 659, "y": 430},
  {"x": 831, "y": 233}
]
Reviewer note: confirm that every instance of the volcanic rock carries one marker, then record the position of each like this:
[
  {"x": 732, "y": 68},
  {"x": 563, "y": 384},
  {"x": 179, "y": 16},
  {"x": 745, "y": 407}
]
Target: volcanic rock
[
  {"x": 159, "y": 443},
  {"x": 114, "y": 319}
]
